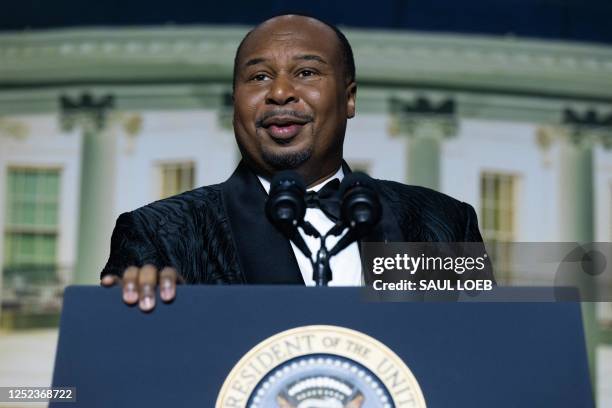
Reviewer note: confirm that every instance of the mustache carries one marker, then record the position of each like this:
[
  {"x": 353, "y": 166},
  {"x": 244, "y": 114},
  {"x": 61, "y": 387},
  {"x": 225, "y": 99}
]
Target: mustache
[{"x": 283, "y": 112}]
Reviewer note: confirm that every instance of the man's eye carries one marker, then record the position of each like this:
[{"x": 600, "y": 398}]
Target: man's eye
[
  {"x": 260, "y": 77},
  {"x": 306, "y": 73}
]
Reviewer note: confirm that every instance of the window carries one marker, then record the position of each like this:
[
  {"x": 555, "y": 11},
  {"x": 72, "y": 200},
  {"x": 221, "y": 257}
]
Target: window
[
  {"x": 31, "y": 228},
  {"x": 497, "y": 219},
  {"x": 176, "y": 178}
]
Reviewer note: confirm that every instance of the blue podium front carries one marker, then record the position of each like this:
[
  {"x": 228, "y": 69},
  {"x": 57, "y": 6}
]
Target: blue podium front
[{"x": 281, "y": 346}]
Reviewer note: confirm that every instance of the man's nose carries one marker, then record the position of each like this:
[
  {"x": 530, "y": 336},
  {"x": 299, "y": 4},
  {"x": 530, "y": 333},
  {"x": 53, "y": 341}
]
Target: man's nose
[{"x": 281, "y": 92}]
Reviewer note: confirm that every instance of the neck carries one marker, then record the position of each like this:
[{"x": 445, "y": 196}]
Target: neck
[
  {"x": 321, "y": 179},
  {"x": 314, "y": 174},
  {"x": 311, "y": 176}
]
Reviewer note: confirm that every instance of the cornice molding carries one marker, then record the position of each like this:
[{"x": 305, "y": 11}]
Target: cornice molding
[{"x": 201, "y": 54}]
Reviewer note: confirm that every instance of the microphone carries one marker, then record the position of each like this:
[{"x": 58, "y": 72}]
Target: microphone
[
  {"x": 361, "y": 209},
  {"x": 286, "y": 206}
]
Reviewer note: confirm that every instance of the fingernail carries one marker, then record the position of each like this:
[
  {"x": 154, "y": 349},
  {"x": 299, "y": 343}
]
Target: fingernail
[
  {"x": 167, "y": 294},
  {"x": 129, "y": 294},
  {"x": 107, "y": 280},
  {"x": 147, "y": 303},
  {"x": 166, "y": 290}
]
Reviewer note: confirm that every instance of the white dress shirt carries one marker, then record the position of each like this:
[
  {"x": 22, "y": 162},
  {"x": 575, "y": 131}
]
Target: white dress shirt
[{"x": 346, "y": 265}]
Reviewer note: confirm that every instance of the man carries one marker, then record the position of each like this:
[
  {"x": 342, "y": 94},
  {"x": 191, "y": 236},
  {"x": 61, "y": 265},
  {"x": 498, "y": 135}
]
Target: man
[{"x": 294, "y": 89}]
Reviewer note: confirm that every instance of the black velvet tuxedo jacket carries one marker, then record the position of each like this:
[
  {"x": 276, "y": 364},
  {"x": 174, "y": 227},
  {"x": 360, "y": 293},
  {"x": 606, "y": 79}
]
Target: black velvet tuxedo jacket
[{"x": 220, "y": 234}]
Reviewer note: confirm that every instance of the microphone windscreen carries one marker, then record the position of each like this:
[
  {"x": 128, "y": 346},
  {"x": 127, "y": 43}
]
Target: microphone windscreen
[
  {"x": 285, "y": 178},
  {"x": 354, "y": 179}
]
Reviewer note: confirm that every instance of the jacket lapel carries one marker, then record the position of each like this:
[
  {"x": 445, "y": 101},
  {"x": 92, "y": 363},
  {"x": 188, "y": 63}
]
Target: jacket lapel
[
  {"x": 265, "y": 255},
  {"x": 388, "y": 228}
]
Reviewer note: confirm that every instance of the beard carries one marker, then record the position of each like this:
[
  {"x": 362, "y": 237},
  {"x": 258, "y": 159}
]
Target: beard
[{"x": 286, "y": 161}]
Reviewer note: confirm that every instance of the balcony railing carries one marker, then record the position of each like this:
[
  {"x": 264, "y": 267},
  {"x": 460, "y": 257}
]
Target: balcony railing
[{"x": 32, "y": 295}]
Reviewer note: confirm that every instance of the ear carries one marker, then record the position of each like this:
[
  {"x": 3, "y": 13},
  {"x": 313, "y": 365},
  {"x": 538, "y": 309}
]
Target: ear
[{"x": 351, "y": 96}]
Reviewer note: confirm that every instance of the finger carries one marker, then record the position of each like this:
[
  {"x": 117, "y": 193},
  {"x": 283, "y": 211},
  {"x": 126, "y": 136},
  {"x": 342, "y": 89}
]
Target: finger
[
  {"x": 167, "y": 284},
  {"x": 147, "y": 280},
  {"x": 130, "y": 288},
  {"x": 109, "y": 280}
]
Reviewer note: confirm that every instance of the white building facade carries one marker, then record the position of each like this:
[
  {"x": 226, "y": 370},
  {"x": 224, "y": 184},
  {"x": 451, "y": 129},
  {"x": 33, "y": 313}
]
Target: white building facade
[{"x": 97, "y": 122}]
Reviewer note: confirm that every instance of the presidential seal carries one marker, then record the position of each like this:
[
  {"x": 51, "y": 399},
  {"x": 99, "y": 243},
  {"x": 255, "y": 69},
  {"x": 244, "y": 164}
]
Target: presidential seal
[{"x": 320, "y": 367}]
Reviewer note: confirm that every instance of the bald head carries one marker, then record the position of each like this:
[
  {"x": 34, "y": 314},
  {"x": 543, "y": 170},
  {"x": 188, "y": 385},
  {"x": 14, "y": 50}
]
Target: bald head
[{"x": 279, "y": 26}]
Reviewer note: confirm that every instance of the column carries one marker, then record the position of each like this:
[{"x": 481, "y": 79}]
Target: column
[
  {"x": 576, "y": 201},
  {"x": 98, "y": 163},
  {"x": 583, "y": 130},
  {"x": 576, "y": 187},
  {"x": 225, "y": 118},
  {"x": 426, "y": 125}
]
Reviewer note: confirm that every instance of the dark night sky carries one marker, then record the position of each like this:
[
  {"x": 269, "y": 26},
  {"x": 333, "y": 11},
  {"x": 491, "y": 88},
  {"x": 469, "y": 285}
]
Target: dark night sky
[{"x": 580, "y": 20}]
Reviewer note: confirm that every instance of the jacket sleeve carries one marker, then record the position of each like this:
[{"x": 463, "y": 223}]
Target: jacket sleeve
[
  {"x": 130, "y": 246},
  {"x": 472, "y": 234}
]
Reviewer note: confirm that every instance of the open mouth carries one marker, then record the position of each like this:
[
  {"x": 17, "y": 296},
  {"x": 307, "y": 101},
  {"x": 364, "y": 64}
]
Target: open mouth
[
  {"x": 284, "y": 133},
  {"x": 284, "y": 129}
]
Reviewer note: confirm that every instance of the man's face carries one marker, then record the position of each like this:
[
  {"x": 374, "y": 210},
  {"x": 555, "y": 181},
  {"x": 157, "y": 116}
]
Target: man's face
[{"x": 292, "y": 98}]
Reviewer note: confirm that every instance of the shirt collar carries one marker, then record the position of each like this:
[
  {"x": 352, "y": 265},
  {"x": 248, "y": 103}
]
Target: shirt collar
[{"x": 338, "y": 174}]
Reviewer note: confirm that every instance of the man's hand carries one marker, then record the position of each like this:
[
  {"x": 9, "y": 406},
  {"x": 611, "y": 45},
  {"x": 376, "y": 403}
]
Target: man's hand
[{"x": 139, "y": 285}]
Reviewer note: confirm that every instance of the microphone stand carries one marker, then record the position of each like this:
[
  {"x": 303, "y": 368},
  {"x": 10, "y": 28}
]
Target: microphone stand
[{"x": 321, "y": 271}]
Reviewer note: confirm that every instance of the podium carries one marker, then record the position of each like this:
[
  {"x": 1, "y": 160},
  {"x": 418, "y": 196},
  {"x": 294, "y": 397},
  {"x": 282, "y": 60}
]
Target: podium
[{"x": 461, "y": 354}]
